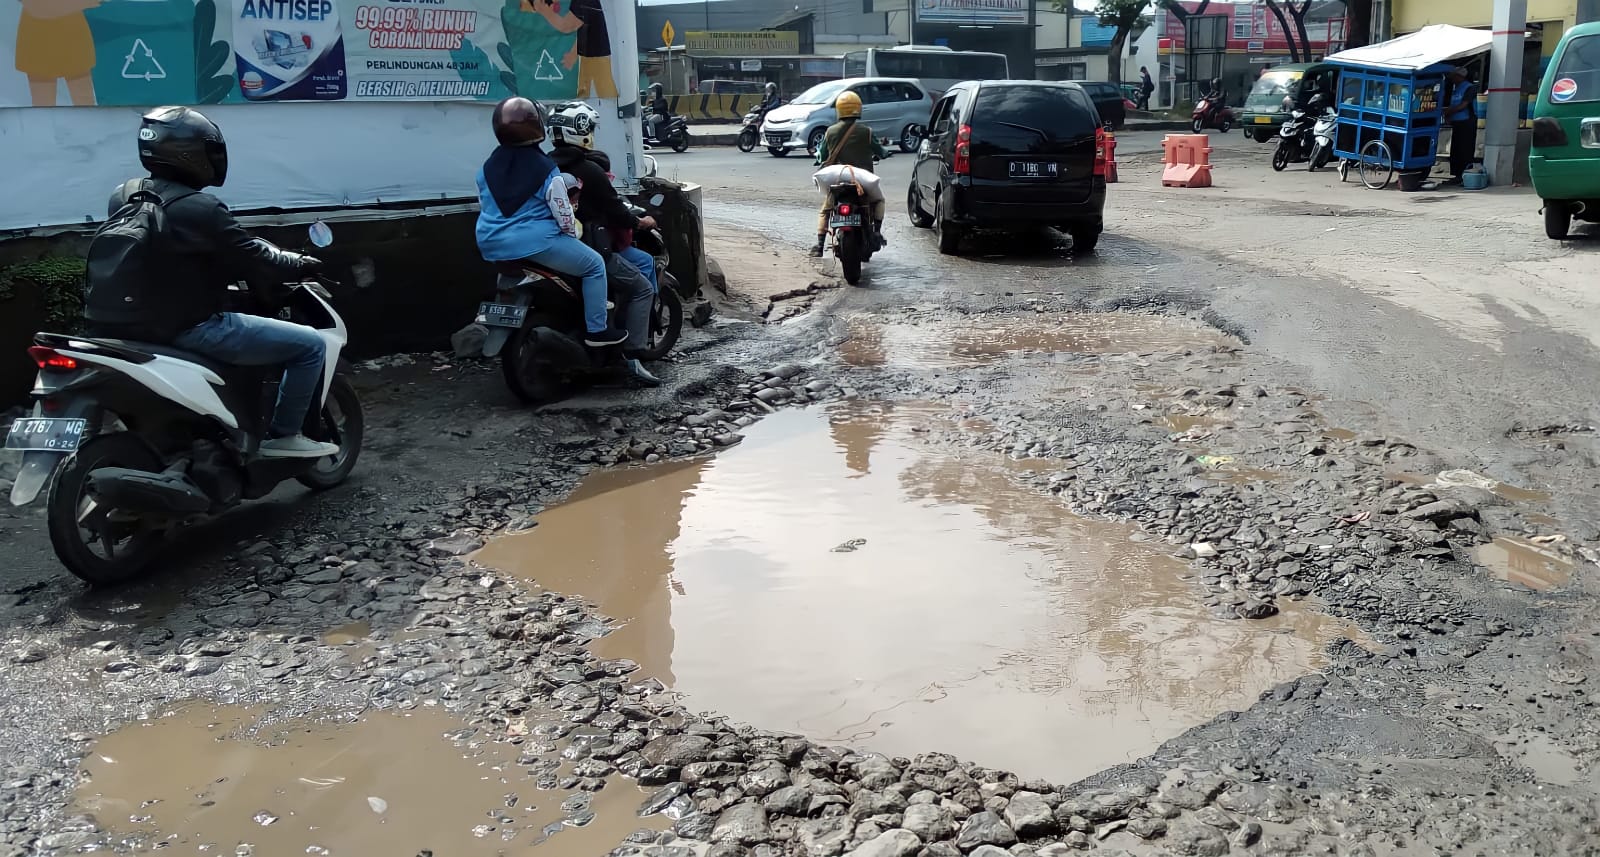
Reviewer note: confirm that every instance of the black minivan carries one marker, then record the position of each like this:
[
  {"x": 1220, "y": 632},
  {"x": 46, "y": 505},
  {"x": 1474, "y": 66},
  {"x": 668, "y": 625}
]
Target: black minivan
[{"x": 1009, "y": 154}]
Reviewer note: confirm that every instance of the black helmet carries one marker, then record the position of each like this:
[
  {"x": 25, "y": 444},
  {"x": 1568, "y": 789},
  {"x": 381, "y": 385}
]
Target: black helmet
[
  {"x": 182, "y": 145},
  {"x": 518, "y": 122}
]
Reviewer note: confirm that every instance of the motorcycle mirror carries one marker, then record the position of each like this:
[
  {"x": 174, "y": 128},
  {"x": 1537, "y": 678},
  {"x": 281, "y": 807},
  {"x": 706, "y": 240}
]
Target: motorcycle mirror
[
  {"x": 321, "y": 234},
  {"x": 656, "y": 200}
]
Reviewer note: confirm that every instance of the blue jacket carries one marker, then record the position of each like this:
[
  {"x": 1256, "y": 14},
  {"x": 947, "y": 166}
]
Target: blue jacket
[{"x": 519, "y": 180}]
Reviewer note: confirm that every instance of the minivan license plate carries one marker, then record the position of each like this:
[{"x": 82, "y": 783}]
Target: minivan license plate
[
  {"x": 501, "y": 315},
  {"x": 32, "y": 433},
  {"x": 1033, "y": 169}
]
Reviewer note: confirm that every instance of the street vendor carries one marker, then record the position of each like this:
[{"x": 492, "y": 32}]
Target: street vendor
[{"x": 1461, "y": 114}]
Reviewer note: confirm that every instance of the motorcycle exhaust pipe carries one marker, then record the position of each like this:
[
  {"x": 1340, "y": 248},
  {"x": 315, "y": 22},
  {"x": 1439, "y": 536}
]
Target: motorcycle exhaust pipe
[{"x": 168, "y": 494}]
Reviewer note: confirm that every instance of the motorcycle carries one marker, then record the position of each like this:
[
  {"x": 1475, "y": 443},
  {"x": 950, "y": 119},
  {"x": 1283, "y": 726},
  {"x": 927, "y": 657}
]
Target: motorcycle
[
  {"x": 1210, "y": 113},
  {"x": 1294, "y": 140},
  {"x": 851, "y": 230},
  {"x": 750, "y": 134},
  {"x": 137, "y": 441},
  {"x": 1322, "y": 133},
  {"x": 671, "y": 132},
  {"x": 536, "y": 326}
]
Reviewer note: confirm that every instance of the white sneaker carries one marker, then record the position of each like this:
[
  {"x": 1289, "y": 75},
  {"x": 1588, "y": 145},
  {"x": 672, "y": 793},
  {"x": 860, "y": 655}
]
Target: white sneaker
[{"x": 298, "y": 446}]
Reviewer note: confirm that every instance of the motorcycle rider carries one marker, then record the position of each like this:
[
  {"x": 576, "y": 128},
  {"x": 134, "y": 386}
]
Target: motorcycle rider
[
  {"x": 605, "y": 216},
  {"x": 848, "y": 142},
  {"x": 660, "y": 111},
  {"x": 524, "y": 213},
  {"x": 769, "y": 101},
  {"x": 185, "y": 153}
]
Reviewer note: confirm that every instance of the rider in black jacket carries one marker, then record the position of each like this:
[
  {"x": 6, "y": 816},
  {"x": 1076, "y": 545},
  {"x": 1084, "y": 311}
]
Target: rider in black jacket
[{"x": 184, "y": 152}]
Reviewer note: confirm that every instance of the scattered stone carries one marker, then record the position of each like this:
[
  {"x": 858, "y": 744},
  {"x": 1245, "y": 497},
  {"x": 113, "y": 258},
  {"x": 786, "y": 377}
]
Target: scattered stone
[
  {"x": 742, "y": 824},
  {"x": 985, "y": 828},
  {"x": 675, "y": 751},
  {"x": 928, "y": 822},
  {"x": 894, "y": 843},
  {"x": 1029, "y": 815}
]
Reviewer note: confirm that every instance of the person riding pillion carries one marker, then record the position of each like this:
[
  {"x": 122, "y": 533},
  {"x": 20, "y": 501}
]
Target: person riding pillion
[
  {"x": 524, "y": 214},
  {"x": 184, "y": 153},
  {"x": 605, "y": 216},
  {"x": 660, "y": 110},
  {"x": 848, "y": 142}
]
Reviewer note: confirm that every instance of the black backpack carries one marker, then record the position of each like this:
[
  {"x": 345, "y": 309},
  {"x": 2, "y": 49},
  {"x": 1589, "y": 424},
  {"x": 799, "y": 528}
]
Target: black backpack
[{"x": 126, "y": 256}]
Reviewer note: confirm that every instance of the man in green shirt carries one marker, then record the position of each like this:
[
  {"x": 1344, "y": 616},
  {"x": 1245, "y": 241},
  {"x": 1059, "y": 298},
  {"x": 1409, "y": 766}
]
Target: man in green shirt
[{"x": 848, "y": 143}]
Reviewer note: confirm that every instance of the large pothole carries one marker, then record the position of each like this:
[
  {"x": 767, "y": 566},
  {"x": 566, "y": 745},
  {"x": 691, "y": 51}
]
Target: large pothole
[{"x": 836, "y": 577}]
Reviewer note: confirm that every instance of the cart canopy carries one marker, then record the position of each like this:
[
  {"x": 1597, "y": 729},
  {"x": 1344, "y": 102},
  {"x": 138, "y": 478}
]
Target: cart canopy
[{"x": 1427, "y": 47}]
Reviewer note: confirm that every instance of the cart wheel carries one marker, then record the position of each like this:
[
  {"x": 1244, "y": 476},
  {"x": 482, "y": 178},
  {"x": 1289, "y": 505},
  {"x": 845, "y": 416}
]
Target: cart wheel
[{"x": 1377, "y": 165}]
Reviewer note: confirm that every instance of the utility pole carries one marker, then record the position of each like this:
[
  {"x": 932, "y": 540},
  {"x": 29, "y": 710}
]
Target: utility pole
[
  {"x": 1588, "y": 11},
  {"x": 1505, "y": 91}
]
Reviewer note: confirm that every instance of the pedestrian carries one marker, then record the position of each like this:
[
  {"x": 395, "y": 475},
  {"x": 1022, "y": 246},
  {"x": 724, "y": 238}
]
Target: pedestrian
[
  {"x": 1147, "y": 87},
  {"x": 1461, "y": 112}
]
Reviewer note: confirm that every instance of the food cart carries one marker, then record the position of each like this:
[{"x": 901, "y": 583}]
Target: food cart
[{"x": 1391, "y": 101}]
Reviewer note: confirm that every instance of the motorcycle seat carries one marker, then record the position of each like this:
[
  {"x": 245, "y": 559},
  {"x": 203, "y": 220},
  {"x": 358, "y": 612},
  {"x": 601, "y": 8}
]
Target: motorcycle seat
[
  {"x": 518, "y": 269},
  {"x": 227, "y": 371}
]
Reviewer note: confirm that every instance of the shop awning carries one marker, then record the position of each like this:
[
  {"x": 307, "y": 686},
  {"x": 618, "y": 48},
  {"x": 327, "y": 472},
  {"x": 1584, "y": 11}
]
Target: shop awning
[{"x": 1429, "y": 46}]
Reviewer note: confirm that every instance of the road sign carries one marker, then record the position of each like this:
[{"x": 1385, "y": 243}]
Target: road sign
[{"x": 668, "y": 34}]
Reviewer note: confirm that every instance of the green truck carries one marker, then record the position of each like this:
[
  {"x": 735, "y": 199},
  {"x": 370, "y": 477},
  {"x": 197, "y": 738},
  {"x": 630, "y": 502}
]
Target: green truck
[
  {"x": 1276, "y": 92},
  {"x": 1565, "y": 159}
]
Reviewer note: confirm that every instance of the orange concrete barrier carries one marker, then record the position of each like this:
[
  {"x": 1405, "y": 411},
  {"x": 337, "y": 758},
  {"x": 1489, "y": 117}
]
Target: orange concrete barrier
[
  {"x": 1111, "y": 157},
  {"x": 1188, "y": 160}
]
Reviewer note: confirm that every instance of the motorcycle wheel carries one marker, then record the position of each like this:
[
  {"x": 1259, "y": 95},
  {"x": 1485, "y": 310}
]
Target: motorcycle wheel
[
  {"x": 1198, "y": 125},
  {"x": 777, "y": 152},
  {"x": 344, "y": 423},
  {"x": 533, "y": 377},
  {"x": 77, "y": 527},
  {"x": 747, "y": 141},
  {"x": 1226, "y": 124},
  {"x": 1280, "y": 158},
  {"x": 680, "y": 143},
  {"x": 847, "y": 246},
  {"x": 666, "y": 324},
  {"x": 910, "y": 138},
  {"x": 1319, "y": 157}
]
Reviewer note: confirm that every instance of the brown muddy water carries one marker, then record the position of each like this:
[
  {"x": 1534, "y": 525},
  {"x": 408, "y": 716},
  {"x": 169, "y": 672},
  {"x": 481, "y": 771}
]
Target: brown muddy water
[
  {"x": 978, "y": 340},
  {"x": 1523, "y": 562},
  {"x": 835, "y": 577},
  {"x": 220, "y": 781}
]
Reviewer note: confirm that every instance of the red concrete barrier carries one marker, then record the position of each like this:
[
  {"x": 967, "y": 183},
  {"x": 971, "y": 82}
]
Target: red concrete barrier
[{"x": 1188, "y": 160}]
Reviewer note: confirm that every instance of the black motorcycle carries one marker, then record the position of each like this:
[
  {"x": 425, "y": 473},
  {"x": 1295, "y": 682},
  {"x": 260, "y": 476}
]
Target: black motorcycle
[
  {"x": 536, "y": 327},
  {"x": 851, "y": 230},
  {"x": 671, "y": 132},
  {"x": 1294, "y": 141},
  {"x": 138, "y": 440},
  {"x": 750, "y": 134}
]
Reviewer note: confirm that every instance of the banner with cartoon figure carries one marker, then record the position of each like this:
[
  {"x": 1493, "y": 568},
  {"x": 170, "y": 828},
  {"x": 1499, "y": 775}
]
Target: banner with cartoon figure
[{"x": 145, "y": 52}]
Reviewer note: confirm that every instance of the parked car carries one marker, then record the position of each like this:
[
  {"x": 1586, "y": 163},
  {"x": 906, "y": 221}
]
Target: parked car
[
  {"x": 1010, "y": 154},
  {"x": 892, "y": 107},
  {"x": 1109, "y": 101},
  {"x": 1276, "y": 94},
  {"x": 1565, "y": 160}
]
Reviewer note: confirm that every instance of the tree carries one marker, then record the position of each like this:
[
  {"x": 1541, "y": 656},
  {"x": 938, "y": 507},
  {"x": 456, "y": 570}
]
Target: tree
[
  {"x": 1126, "y": 16},
  {"x": 1359, "y": 32},
  {"x": 1288, "y": 34},
  {"x": 1299, "y": 39},
  {"x": 1176, "y": 9}
]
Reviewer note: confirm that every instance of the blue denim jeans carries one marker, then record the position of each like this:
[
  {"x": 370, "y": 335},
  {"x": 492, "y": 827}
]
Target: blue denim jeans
[
  {"x": 568, "y": 255},
  {"x": 249, "y": 340},
  {"x": 645, "y": 262}
]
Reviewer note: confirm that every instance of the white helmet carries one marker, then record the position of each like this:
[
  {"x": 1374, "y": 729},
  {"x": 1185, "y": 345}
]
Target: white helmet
[{"x": 573, "y": 123}]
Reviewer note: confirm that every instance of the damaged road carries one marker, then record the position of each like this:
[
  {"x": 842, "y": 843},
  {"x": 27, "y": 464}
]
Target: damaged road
[{"x": 1144, "y": 553}]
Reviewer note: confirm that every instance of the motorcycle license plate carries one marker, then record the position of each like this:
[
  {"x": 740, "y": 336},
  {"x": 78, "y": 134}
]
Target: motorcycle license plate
[
  {"x": 837, "y": 220},
  {"x": 501, "y": 315},
  {"x": 1263, "y": 120},
  {"x": 1033, "y": 169},
  {"x": 54, "y": 435}
]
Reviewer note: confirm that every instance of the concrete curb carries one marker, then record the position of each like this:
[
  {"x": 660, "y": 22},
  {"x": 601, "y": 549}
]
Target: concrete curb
[{"x": 721, "y": 139}]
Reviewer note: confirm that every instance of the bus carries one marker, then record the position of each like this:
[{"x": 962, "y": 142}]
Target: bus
[{"x": 939, "y": 68}]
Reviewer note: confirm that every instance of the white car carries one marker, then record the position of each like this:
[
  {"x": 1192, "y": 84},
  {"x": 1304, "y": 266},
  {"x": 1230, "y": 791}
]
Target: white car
[{"x": 896, "y": 108}]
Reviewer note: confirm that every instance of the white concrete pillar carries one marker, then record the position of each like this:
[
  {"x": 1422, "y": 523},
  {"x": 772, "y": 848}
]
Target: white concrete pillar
[{"x": 1505, "y": 91}]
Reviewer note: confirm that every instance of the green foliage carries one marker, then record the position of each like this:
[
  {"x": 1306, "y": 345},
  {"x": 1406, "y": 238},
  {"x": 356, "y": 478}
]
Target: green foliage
[
  {"x": 60, "y": 280},
  {"x": 210, "y": 57},
  {"x": 1123, "y": 14}
]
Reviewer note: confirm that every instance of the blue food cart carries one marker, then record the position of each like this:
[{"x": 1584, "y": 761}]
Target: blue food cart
[{"x": 1391, "y": 100}]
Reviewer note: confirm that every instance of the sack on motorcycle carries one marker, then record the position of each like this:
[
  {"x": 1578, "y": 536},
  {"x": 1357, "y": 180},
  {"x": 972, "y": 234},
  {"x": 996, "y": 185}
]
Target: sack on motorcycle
[
  {"x": 126, "y": 255},
  {"x": 827, "y": 177}
]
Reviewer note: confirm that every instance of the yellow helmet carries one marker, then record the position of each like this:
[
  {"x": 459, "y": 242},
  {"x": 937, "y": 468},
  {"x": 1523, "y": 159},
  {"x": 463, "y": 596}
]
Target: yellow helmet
[{"x": 848, "y": 104}]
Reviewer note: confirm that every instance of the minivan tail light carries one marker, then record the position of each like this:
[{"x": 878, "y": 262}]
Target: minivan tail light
[
  {"x": 49, "y": 358},
  {"x": 963, "y": 160},
  {"x": 1100, "y": 160}
]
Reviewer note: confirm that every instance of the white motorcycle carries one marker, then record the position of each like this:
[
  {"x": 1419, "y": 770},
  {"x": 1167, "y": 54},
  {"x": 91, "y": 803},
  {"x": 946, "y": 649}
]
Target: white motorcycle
[
  {"x": 1322, "y": 139},
  {"x": 137, "y": 440}
]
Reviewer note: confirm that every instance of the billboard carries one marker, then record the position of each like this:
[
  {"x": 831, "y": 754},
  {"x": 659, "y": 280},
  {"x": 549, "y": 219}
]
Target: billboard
[
  {"x": 145, "y": 52},
  {"x": 973, "y": 12},
  {"x": 758, "y": 43}
]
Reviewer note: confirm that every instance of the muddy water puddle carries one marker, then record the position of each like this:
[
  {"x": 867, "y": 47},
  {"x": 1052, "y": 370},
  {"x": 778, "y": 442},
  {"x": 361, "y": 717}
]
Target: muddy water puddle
[
  {"x": 220, "y": 781},
  {"x": 834, "y": 576},
  {"x": 961, "y": 341},
  {"x": 1524, "y": 562}
]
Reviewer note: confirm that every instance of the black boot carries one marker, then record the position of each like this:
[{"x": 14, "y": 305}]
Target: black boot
[
  {"x": 816, "y": 251},
  {"x": 877, "y": 229}
]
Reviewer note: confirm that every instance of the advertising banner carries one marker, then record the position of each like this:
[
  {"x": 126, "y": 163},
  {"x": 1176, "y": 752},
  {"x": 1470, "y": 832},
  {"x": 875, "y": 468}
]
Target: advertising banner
[
  {"x": 973, "y": 12},
  {"x": 145, "y": 52},
  {"x": 758, "y": 43}
]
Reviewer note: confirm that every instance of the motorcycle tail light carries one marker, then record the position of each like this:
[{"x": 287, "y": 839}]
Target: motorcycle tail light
[
  {"x": 963, "y": 159},
  {"x": 844, "y": 209},
  {"x": 49, "y": 358}
]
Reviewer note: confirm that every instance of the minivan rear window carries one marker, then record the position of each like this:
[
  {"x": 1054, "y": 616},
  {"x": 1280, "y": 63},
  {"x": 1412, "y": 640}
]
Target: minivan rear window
[
  {"x": 1020, "y": 118},
  {"x": 1577, "y": 76}
]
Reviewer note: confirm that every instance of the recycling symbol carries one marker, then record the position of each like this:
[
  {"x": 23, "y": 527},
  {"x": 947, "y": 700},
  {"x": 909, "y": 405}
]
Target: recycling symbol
[
  {"x": 548, "y": 68},
  {"x": 141, "y": 64}
]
